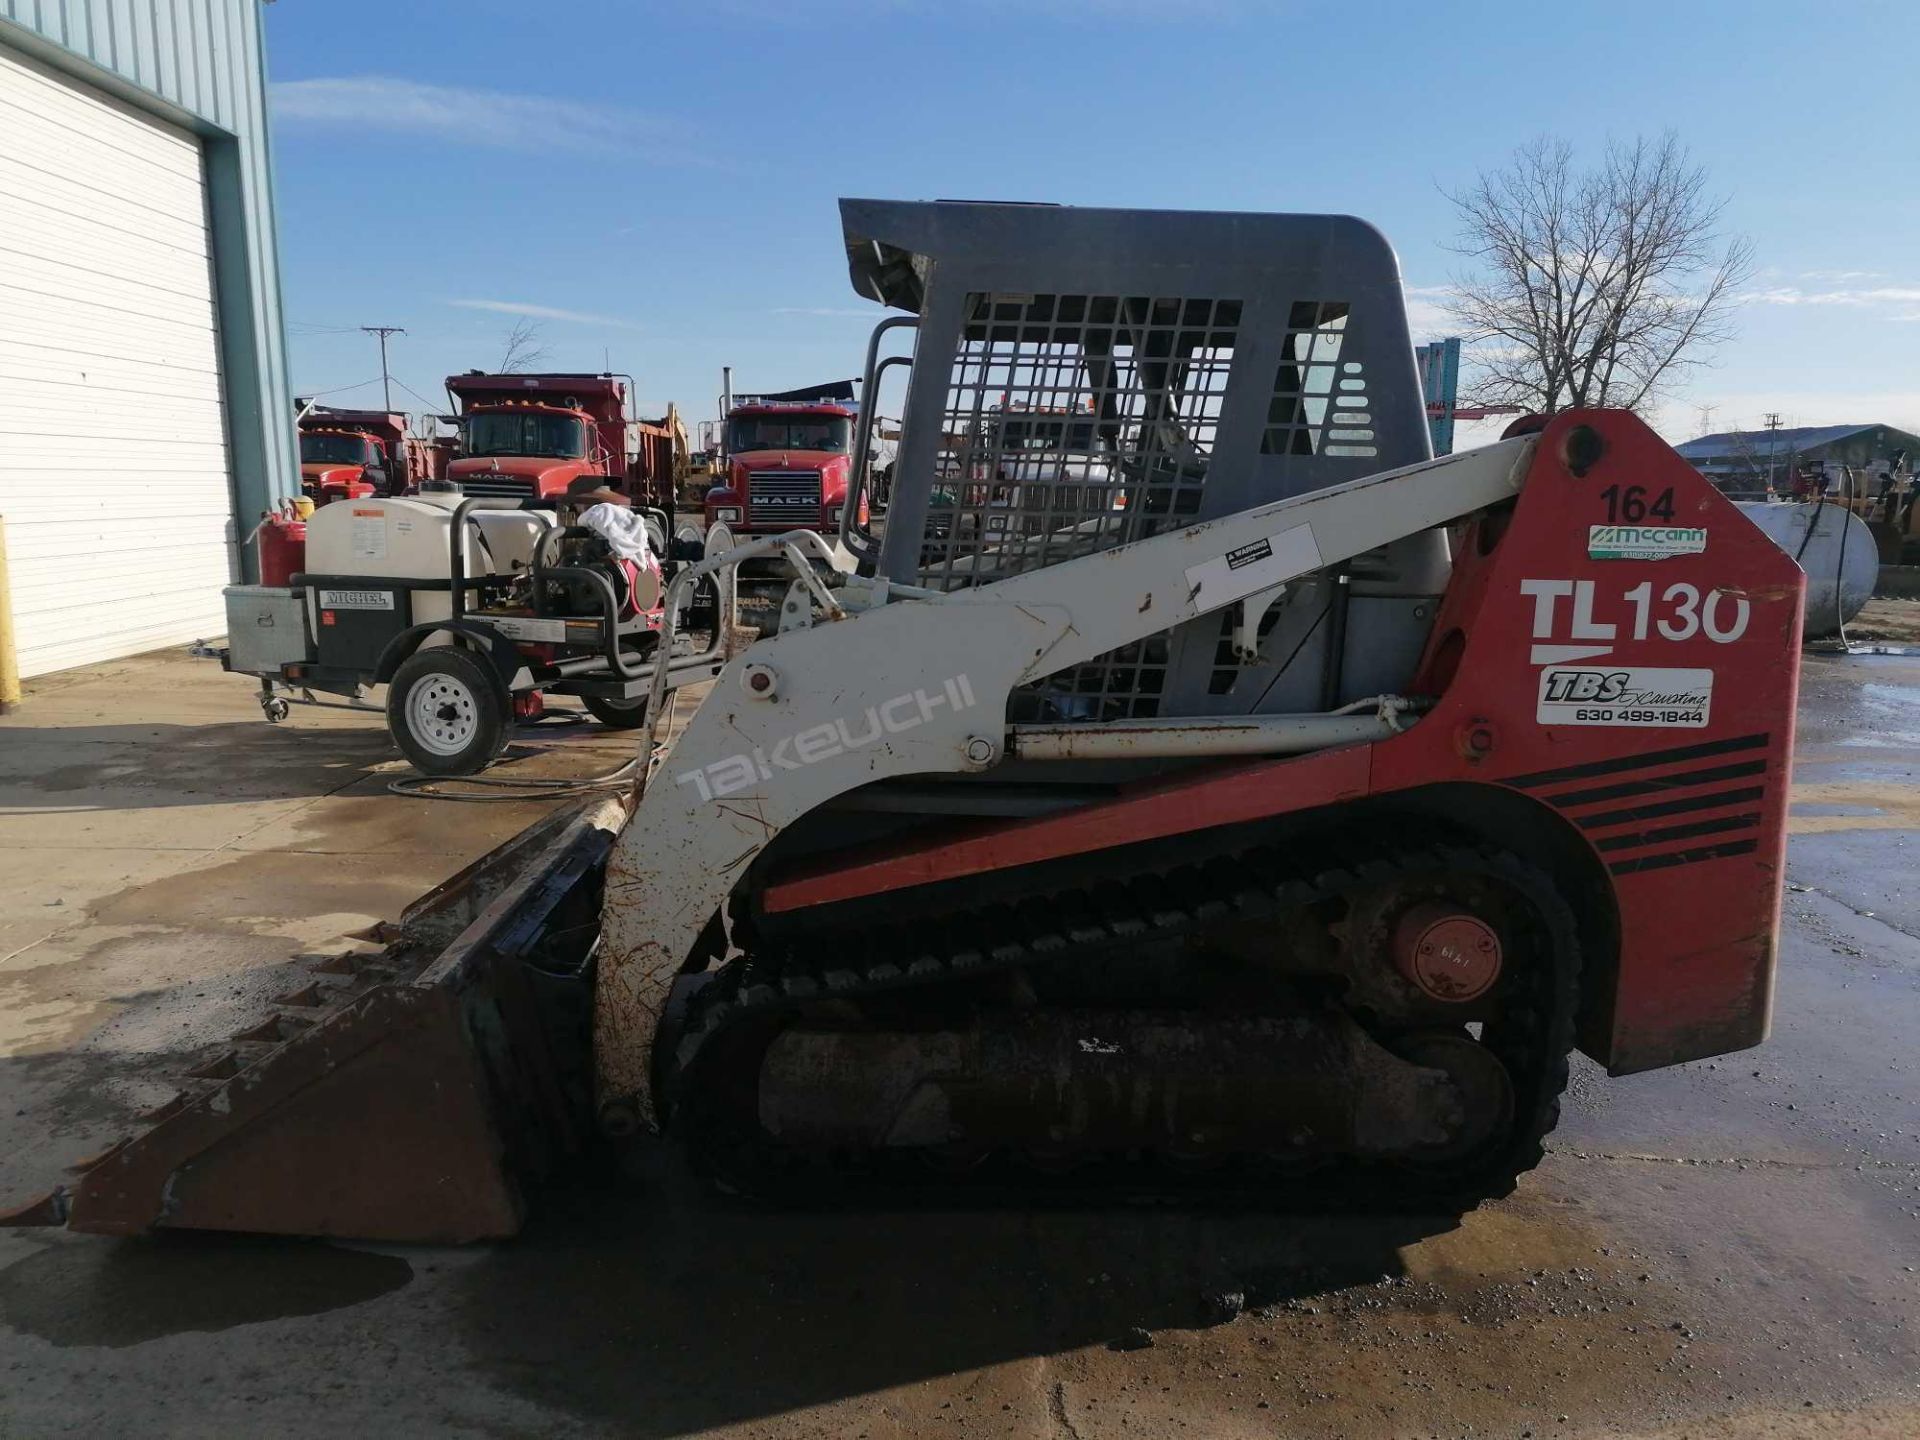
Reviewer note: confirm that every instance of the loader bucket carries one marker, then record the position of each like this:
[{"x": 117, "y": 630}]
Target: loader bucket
[{"x": 398, "y": 1095}]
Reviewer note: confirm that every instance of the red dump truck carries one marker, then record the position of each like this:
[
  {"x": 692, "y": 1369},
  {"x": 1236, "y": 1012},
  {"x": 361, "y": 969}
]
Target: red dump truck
[
  {"x": 352, "y": 454},
  {"x": 529, "y": 437},
  {"x": 788, "y": 463}
]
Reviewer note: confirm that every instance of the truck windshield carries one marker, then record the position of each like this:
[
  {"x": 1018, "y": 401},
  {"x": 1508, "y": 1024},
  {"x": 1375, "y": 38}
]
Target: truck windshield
[
  {"x": 789, "y": 432},
  {"x": 1047, "y": 435},
  {"x": 519, "y": 433},
  {"x": 336, "y": 449}
]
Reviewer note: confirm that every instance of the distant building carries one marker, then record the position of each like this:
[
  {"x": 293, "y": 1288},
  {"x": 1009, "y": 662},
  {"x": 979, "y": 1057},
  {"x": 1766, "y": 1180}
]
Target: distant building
[{"x": 1747, "y": 462}]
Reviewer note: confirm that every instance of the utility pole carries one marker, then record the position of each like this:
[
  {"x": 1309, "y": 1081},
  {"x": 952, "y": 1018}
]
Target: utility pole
[
  {"x": 383, "y": 331},
  {"x": 1771, "y": 424}
]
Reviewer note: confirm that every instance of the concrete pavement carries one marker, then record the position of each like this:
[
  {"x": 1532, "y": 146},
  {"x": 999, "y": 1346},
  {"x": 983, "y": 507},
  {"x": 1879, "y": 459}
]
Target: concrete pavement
[{"x": 1727, "y": 1249}]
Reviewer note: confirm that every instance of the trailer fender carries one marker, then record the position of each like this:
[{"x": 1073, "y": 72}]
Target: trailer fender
[{"x": 504, "y": 659}]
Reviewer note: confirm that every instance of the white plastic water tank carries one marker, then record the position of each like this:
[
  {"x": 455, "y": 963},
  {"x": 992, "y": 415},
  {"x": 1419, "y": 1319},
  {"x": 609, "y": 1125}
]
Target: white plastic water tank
[
  {"x": 1823, "y": 556},
  {"x": 412, "y": 539}
]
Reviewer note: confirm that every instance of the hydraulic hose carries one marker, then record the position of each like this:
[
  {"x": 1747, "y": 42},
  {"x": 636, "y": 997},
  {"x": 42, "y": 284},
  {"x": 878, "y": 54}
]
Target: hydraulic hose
[
  {"x": 1819, "y": 504},
  {"x": 421, "y": 787},
  {"x": 1840, "y": 570},
  {"x": 504, "y": 790}
]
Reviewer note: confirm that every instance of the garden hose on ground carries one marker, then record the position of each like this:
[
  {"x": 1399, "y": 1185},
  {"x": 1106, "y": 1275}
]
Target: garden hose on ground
[
  {"x": 515, "y": 791},
  {"x": 421, "y": 787}
]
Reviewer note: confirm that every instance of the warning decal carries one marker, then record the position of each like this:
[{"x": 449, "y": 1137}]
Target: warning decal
[
  {"x": 369, "y": 534},
  {"x": 517, "y": 627},
  {"x": 1248, "y": 554},
  {"x": 1252, "y": 567}
]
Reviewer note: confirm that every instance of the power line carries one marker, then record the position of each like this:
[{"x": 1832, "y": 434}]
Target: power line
[
  {"x": 383, "y": 331},
  {"x": 433, "y": 406},
  {"x": 342, "y": 389},
  {"x": 313, "y": 396}
]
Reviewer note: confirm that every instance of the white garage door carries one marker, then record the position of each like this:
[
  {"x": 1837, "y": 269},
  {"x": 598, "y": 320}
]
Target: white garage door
[{"x": 113, "y": 450}]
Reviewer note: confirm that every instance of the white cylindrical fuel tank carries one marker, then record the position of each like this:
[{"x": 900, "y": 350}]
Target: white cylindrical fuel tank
[{"x": 1820, "y": 555}]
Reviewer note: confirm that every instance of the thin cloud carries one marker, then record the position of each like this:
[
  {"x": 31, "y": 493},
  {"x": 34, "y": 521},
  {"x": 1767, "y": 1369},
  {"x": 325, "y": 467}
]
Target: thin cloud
[
  {"x": 1428, "y": 315},
  {"x": 1879, "y": 295},
  {"x": 871, "y": 312},
  {"x": 495, "y": 119},
  {"x": 542, "y": 312}
]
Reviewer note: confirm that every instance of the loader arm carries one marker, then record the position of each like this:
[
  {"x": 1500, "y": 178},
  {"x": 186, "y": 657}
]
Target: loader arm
[{"x": 919, "y": 687}]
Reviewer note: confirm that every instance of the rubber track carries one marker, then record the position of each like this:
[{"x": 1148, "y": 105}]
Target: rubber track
[{"x": 1182, "y": 903}]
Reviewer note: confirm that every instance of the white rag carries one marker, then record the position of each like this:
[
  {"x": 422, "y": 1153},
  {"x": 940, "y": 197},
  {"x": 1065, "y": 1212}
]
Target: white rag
[{"x": 624, "y": 530}]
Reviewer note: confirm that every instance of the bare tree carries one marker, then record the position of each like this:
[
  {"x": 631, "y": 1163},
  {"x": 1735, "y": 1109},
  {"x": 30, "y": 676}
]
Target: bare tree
[
  {"x": 524, "y": 350},
  {"x": 1595, "y": 287}
]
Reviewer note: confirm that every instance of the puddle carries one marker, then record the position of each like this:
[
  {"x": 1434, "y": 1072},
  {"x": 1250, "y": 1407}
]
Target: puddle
[
  {"x": 114, "y": 1293},
  {"x": 1822, "y": 808}
]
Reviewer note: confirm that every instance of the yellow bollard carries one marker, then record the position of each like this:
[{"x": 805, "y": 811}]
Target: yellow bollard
[{"x": 9, "y": 661}]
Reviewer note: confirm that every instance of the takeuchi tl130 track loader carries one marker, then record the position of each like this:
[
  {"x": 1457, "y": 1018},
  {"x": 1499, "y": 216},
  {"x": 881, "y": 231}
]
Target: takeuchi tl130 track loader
[{"x": 1218, "y": 796}]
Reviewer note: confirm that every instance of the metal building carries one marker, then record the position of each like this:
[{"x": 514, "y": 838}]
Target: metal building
[
  {"x": 1749, "y": 462},
  {"x": 143, "y": 423}
]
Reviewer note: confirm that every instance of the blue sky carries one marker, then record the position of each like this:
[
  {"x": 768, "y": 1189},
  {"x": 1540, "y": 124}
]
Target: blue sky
[{"x": 655, "y": 183}]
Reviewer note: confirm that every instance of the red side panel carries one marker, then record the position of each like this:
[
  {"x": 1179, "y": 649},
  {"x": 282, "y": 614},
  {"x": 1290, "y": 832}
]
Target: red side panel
[
  {"x": 1228, "y": 795},
  {"x": 1632, "y": 647},
  {"x": 1623, "y": 648}
]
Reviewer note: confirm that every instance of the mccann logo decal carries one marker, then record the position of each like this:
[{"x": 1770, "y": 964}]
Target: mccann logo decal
[
  {"x": 1644, "y": 542},
  {"x": 829, "y": 739}
]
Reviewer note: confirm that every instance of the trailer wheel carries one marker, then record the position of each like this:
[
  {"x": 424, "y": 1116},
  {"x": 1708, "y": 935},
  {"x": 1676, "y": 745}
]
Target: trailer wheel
[
  {"x": 443, "y": 710},
  {"x": 620, "y": 714}
]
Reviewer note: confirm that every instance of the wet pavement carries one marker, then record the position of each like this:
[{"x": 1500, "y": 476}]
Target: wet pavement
[{"x": 1726, "y": 1249}]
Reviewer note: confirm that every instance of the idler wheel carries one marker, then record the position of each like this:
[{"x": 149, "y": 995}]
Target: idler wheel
[{"x": 1485, "y": 1090}]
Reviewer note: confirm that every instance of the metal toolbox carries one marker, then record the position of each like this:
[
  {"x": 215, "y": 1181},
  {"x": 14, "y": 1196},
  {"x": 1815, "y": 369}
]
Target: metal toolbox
[{"x": 266, "y": 629}]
